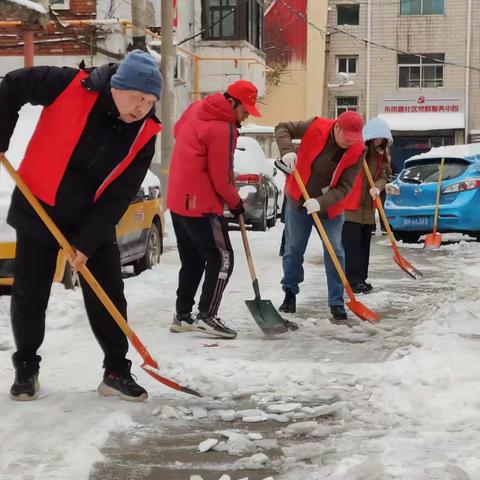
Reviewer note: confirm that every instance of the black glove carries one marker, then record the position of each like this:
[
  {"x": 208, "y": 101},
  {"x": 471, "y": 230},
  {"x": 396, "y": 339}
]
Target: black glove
[{"x": 238, "y": 210}]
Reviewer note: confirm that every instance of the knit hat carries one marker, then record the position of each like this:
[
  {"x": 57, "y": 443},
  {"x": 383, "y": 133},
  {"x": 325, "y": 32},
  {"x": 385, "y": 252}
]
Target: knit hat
[
  {"x": 138, "y": 71},
  {"x": 377, "y": 128}
]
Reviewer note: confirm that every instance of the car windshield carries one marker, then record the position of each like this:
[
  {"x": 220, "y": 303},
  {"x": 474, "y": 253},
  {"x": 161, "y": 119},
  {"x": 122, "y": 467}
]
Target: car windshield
[{"x": 426, "y": 171}]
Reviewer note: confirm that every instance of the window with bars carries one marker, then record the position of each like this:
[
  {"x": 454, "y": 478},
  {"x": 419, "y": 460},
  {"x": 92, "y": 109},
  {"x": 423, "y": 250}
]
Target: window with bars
[
  {"x": 417, "y": 72},
  {"x": 348, "y": 14},
  {"x": 347, "y": 64},
  {"x": 346, "y": 104},
  {"x": 422, "y": 7},
  {"x": 233, "y": 20}
]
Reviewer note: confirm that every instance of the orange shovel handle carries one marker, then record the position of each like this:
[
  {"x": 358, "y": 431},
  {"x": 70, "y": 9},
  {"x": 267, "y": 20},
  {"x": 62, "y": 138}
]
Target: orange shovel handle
[{"x": 381, "y": 210}]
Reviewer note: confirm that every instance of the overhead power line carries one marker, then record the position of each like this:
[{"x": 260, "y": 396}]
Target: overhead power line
[{"x": 324, "y": 31}]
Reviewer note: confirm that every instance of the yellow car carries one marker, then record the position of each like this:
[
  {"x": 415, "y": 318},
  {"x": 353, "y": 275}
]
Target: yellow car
[{"x": 139, "y": 236}]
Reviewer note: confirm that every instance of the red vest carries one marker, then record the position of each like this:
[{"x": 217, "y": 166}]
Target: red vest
[
  {"x": 313, "y": 142},
  {"x": 57, "y": 133}
]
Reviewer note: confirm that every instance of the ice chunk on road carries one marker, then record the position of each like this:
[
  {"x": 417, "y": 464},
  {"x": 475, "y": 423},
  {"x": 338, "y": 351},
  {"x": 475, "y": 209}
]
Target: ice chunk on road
[
  {"x": 255, "y": 462},
  {"x": 199, "y": 412},
  {"x": 207, "y": 445},
  {"x": 303, "y": 451},
  {"x": 301, "y": 428},
  {"x": 283, "y": 407}
]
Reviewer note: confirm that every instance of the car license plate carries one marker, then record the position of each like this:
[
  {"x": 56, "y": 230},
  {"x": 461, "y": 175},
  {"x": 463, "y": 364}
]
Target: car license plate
[{"x": 417, "y": 222}]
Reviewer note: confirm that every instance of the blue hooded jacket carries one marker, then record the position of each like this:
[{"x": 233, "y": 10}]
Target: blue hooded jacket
[{"x": 377, "y": 128}]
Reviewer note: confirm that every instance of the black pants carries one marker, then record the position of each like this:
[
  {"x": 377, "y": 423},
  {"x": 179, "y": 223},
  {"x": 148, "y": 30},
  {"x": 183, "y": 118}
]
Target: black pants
[
  {"x": 356, "y": 243},
  {"x": 34, "y": 270},
  {"x": 204, "y": 246}
]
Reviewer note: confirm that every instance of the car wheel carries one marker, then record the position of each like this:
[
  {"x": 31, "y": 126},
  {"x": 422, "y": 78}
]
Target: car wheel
[
  {"x": 70, "y": 278},
  {"x": 407, "y": 237},
  {"x": 272, "y": 222},
  {"x": 262, "y": 224},
  {"x": 153, "y": 251}
]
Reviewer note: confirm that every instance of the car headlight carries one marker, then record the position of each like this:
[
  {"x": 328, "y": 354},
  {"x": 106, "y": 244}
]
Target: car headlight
[
  {"x": 392, "y": 189},
  {"x": 462, "y": 186}
]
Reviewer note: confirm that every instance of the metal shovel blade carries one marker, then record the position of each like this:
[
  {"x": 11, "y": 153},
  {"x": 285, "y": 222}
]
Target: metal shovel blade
[
  {"x": 407, "y": 267},
  {"x": 362, "y": 312},
  {"x": 153, "y": 372},
  {"x": 433, "y": 240},
  {"x": 267, "y": 317}
]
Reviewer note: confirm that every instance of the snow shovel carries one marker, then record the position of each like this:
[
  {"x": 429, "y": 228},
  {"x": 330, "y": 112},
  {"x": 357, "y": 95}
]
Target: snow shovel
[
  {"x": 402, "y": 262},
  {"x": 262, "y": 311},
  {"x": 149, "y": 364},
  {"x": 434, "y": 239},
  {"x": 360, "y": 310}
]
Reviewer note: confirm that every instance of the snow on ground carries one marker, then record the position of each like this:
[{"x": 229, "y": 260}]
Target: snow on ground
[{"x": 402, "y": 409}]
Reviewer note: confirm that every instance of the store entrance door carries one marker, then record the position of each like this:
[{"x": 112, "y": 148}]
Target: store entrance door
[{"x": 405, "y": 146}]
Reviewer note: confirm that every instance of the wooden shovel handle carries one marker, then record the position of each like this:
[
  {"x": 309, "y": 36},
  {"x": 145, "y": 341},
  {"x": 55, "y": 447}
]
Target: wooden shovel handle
[
  {"x": 380, "y": 208},
  {"x": 437, "y": 202},
  {"x": 246, "y": 246},
  {"x": 84, "y": 271},
  {"x": 325, "y": 238}
]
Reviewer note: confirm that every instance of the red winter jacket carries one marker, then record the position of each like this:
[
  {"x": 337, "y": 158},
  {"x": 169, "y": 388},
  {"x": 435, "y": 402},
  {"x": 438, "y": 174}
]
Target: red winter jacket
[{"x": 201, "y": 172}]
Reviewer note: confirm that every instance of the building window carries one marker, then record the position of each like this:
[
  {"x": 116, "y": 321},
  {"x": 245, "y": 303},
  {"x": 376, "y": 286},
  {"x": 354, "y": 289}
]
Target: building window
[
  {"x": 60, "y": 4},
  {"x": 417, "y": 72},
  {"x": 346, "y": 104},
  {"x": 422, "y": 7},
  {"x": 348, "y": 14},
  {"x": 347, "y": 65},
  {"x": 233, "y": 20}
]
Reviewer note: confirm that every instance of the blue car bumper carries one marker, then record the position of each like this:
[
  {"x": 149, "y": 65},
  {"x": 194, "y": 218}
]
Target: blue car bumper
[{"x": 459, "y": 212}]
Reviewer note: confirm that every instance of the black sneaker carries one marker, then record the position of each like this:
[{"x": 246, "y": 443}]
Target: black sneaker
[
  {"x": 121, "y": 384},
  {"x": 25, "y": 387},
  {"x": 362, "y": 288},
  {"x": 213, "y": 326},
  {"x": 338, "y": 313},
  {"x": 182, "y": 322},
  {"x": 289, "y": 304}
]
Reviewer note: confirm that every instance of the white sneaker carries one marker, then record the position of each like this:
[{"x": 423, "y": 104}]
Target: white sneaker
[
  {"x": 213, "y": 326},
  {"x": 183, "y": 323}
]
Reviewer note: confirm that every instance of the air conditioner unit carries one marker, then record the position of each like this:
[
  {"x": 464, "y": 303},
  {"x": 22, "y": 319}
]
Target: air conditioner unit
[{"x": 475, "y": 136}]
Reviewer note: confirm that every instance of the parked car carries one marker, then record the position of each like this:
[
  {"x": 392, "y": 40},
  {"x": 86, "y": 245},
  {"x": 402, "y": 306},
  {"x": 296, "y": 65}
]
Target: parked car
[
  {"x": 139, "y": 232},
  {"x": 410, "y": 202},
  {"x": 255, "y": 183},
  {"x": 139, "y": 236}
]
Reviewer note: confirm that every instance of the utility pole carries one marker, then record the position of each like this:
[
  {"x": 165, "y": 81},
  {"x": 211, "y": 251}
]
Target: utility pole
[
  {"x": 138, "y": 24},
  {"x": 167, "y": 52}
]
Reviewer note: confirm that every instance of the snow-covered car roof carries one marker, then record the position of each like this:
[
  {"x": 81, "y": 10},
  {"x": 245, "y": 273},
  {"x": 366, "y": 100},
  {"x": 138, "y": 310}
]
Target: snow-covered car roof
[
  {"x": 150, "y": 180},
  {"x": 469, "y": 151},
  {"x": 252, "y": 128},
  {"x": 250, "y": 158}
]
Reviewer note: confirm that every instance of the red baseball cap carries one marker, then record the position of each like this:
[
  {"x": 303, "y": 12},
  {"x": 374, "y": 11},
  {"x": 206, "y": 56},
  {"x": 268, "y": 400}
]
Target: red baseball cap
[
  {"x": 351, "y": 124},
  {"x": 246, "y": 93}
]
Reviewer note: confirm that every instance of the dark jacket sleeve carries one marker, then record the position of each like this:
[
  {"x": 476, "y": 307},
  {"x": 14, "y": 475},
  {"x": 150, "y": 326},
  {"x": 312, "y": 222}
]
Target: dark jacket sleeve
[
  {"x": 107, "y": 211},
  {"x": 36, "y": 85},
  {"x": 285, "y": 132},
  {"x": 343, "y": 187}
]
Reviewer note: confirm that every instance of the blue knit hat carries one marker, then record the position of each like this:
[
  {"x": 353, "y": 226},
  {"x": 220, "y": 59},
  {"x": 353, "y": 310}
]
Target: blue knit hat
[{"x": 138, "y": 71}]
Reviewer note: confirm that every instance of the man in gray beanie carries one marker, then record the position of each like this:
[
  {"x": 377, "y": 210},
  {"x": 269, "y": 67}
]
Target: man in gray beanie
[{"x": 85, "y": 163}]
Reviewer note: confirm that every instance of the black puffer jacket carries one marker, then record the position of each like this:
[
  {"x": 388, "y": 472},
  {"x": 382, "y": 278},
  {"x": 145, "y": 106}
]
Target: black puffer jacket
[{"x": 103, "y": 144}]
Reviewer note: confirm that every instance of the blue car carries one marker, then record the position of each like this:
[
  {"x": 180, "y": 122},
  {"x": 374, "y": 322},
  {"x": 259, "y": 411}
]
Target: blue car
[{"x": 410, "y": 202}]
